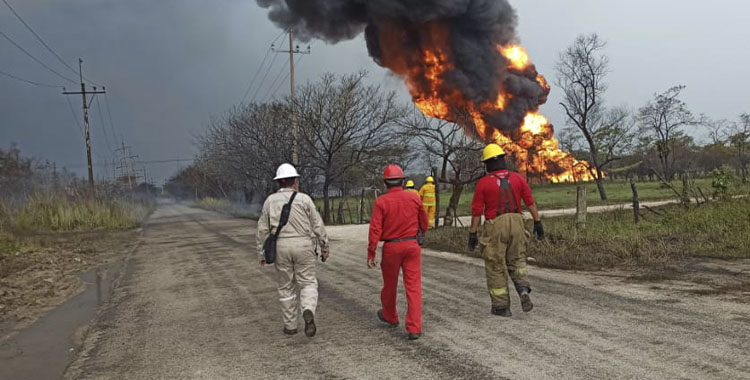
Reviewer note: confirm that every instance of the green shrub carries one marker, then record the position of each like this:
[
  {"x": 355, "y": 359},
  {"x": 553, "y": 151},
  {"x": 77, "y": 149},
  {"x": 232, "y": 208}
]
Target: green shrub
[{"x": 722, "y": 182}]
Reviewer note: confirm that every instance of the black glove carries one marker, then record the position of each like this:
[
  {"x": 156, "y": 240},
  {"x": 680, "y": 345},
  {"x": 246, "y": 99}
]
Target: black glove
[
  {"x": 473, "y": 241},
  {"x": 538, "y": 230}
]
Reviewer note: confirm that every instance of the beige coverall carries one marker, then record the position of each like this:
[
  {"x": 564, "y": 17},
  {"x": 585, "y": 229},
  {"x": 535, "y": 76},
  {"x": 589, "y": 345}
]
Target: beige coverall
[{"x": 296, "y": 251}]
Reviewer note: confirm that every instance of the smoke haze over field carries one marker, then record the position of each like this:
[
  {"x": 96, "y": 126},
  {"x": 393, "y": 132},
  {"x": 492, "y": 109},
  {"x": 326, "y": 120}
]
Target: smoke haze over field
[{"x": 170, "y": 65}]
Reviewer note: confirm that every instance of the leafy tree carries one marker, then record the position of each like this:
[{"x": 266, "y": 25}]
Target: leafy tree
[{"x": 740, "y": 141}]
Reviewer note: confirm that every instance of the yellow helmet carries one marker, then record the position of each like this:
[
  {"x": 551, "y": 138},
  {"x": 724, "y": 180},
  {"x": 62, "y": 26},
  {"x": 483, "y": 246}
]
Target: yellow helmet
[
  {"x": 409, "y": 183},
  {"x": 491, "y": 151},
  {"x": 430, "y": 179}
]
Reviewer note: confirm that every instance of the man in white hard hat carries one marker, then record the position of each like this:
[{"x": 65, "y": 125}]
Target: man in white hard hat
[{"x": 296, "y": 249}]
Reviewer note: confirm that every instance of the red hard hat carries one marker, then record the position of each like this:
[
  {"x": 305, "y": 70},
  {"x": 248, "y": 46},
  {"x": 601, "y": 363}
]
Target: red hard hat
[{"x": 393, "y": 172}]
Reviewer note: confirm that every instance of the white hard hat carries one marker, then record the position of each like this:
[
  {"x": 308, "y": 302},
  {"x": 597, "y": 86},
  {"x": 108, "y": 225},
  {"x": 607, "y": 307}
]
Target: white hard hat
[{"x": 286, "y": 171}]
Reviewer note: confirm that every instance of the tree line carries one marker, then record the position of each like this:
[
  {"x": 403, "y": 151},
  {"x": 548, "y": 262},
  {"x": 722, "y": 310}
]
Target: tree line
[
  {"x": 350, "y": 129},
  {"x": 651, "y": 141}
]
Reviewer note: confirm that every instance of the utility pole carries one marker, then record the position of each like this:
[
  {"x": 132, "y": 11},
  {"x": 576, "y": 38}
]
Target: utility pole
[
  {"x": 295, "y": 127},
  {"x": 126, "y": 164},
  {"x": 83, "y": 94}
]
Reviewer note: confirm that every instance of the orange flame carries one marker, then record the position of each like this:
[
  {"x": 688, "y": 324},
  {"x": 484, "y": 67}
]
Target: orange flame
[
  {"x": 518, "y": 57},
  {"x": 538, "y": 152},
  {"x": 532, "y": 147}
]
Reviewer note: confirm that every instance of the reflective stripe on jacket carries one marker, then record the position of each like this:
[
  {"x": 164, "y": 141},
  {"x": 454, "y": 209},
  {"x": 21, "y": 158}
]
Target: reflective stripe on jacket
[{"x": 427, "y": 193}]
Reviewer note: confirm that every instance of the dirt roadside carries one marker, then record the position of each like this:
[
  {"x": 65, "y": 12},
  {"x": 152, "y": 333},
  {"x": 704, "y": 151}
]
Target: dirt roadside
[
  {"x": 34, "y": 281},
  {"x": 194, "y": 304}
]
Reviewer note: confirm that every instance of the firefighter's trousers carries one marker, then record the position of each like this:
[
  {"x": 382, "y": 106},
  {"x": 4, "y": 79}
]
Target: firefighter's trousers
[
  {"x": 503, "y": 244},
  {"x": 295, "y": 270},
  {"x": 405, "y": 256},
  {"x": 430, "y": 214}
]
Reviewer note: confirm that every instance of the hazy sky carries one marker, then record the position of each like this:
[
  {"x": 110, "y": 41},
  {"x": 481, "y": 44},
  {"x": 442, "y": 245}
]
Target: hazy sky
[{"x": 170, "y": 65}]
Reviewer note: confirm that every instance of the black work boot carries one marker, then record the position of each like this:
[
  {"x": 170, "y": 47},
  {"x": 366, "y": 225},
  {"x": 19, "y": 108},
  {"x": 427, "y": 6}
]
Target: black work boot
[
  {"x": 415, "y": 336},
  {"x": 502, "y": 311},
  {"x": 290, "y": 332},
  {"x": 526, "y": 304},
  {"x": 382, "y": 319},
  {"x": 309, "y": 318}
]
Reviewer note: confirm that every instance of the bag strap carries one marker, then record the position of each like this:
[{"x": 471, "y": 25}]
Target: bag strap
[
  {"x": 506, "y": 194},
  {"x": 284, "y": 216}
]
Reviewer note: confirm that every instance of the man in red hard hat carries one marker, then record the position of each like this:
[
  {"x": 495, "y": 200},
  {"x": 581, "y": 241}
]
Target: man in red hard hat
[{"x": 397, "y": 218}]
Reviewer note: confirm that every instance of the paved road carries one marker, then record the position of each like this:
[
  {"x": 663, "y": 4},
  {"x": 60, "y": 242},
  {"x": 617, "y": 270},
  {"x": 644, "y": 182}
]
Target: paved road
[{"x": 195, "y": 305}]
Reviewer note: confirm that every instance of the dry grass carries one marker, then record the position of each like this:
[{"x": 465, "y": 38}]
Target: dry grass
[
  {"x": 43, "y": 212},
  {"x": 224, "y": 206},
  {"x": 719, "y": 230}
]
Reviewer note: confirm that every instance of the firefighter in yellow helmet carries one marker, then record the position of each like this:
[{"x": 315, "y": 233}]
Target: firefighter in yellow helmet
[
  {"x": 427, "y": 193},
  {"x": 410, "y": 187},
  {"x": 504, "y": 238}
]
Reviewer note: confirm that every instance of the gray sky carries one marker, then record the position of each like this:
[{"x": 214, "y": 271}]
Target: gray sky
[{"x": 170, "y": 65}]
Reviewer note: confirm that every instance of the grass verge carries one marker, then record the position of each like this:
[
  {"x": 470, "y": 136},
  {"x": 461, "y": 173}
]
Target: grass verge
[
  {"x": 547, "y": 197},
  {"x": 718, "y": 230},
  {"x": 43, "y": 212}
]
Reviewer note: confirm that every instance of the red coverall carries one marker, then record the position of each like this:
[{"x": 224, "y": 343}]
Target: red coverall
[{"x": 398, "y": 215}]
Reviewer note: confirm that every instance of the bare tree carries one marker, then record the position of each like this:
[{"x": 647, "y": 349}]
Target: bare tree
[
  {"x": 456, "y": 153},
  {"x": 661, "y": 121},
  {"x": 246, "y": 145},
  {"x": 581, "y": 70},
  {"x": 717, "y": 129},
  {"x": 345, "y": 123},
  {"x": 740, "y": 140}
]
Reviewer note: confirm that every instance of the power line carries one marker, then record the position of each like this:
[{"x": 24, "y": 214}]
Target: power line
[
  {"x": 276, "y": 79},
  {"x": 257, "y": 71},
  {"x": 39, "y": 38},
  {"x": 104, "y": 126},
  {"x": 143, "y": 162},
  {"x": 264, "y": 78},
  {"x": 31, "y": 82},
  {"x": 285, "y": 78},
  {"x": 35, "y": 58},
  {"x": 109, "y": 114},
  {"x": 75, "y": 117}
]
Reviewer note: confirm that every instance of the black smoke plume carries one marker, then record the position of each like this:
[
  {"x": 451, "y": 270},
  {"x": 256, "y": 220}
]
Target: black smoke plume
[{"x": 399, "y": 31}]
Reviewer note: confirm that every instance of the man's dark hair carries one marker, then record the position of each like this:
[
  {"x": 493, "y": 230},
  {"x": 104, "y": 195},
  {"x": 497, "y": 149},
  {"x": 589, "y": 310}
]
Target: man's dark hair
[
  {"x": 391, "y": 183},
  {"x": 287, "y": 182},
  {"x": 495, "y": 164}
]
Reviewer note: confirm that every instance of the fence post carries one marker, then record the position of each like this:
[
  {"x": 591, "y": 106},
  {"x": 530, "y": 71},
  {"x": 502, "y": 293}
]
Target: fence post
[
  {"x": 636, "y": 202},
  {"x": 581, "y": 206},
  {"x": 437, "y": 197},
  {"x": 361, "y": 206}
]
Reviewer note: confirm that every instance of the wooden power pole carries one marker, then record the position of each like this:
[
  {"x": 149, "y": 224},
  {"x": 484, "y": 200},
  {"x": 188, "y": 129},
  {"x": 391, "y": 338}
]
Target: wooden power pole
[
  {"x": 292, "y": 102},
  {"x": 83, "y": 94}
]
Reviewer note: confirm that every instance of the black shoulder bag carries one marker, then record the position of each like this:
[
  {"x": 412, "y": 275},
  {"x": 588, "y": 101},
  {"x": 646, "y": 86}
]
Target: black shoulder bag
[{"x": 269, "y": 246}]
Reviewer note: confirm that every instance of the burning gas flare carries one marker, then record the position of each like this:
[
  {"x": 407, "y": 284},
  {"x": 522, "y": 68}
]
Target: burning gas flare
[
  {"x": 532, "y": 145},
  {"x": 460, "y": 63}
]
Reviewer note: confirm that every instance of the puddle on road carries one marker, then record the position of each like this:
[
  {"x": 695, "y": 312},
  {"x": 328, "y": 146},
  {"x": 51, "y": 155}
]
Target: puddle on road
[{"x": 44, "y": 349}]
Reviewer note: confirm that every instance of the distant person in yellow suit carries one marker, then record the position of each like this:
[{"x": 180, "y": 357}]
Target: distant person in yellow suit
[
  {"x": 410, "y": 187},
  {"x": 427, "y": 193}
]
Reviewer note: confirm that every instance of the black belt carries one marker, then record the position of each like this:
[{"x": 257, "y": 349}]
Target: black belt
[{"x": 402, "y": 239}]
